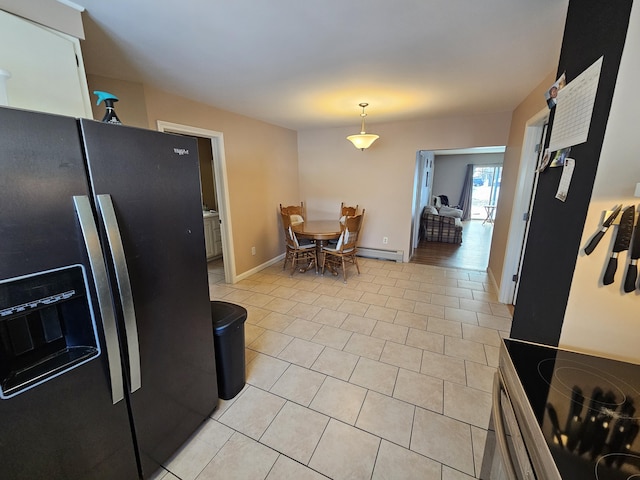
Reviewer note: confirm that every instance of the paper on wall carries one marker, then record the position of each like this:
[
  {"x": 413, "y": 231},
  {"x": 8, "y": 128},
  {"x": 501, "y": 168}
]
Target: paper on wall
[
  {"x": 565, "y": 179},
  {"x": 574, "y": 108}
]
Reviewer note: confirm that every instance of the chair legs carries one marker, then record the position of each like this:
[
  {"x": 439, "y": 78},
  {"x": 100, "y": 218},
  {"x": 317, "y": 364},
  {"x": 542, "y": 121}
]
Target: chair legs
[
  {"x": 297, "y": 258},
  {"x": 343, "y": 261},
  {"x": 288, "y": 256}
]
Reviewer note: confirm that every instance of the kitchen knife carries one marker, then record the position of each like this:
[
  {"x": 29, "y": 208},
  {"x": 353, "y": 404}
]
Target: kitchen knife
[
  {"x": 621, "y": 429},
  {"x": 605, "y": 225},
  {"x": 588, "y": 429},
  {"x": 603, "y": 424},
  {"x": 623, "y": 238},
  {"x": 556, "y": 432},
  {"x": 632, "y": 269},
  {"x": 574, "y": 422}
]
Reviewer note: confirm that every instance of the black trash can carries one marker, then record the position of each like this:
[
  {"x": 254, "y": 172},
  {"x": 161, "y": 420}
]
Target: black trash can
[{"x": 228, "y": 339}]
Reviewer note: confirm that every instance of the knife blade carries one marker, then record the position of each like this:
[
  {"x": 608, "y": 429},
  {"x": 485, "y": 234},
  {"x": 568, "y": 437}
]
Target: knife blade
[
  {"x": 623, "y": 239},
  {"x": 605, "y": 225},
  {"x": 632, "y": 269}
]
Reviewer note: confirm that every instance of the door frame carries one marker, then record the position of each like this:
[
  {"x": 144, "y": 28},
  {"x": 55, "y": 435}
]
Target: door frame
[
  {"x": 526, "y": 184},
  {"x": 222, "y": 189}
]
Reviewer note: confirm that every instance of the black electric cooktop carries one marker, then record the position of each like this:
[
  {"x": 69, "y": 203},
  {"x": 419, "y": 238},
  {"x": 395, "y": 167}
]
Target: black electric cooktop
[{"x": 587, "y": 408}]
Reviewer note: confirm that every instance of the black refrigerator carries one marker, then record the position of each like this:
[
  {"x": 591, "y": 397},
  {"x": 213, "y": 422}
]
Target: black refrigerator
[{"x": 106, "y": 344}]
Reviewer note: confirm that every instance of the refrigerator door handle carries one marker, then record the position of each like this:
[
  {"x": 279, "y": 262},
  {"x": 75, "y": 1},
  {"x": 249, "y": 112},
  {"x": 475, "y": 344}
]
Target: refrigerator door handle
[
  {"x": 101, "y": 282},
  {"x": 108, "y": 214}
]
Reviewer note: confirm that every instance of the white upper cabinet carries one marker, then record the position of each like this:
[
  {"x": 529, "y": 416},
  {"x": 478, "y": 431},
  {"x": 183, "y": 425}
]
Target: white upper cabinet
[{"x": 46, "y": 67}]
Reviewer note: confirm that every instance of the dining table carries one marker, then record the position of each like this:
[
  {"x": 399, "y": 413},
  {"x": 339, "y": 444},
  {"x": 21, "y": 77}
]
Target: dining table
[{"x": 320, "y": 231}]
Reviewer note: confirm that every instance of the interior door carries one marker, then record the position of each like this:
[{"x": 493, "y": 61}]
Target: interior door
[{"x": 527, "y": 214}]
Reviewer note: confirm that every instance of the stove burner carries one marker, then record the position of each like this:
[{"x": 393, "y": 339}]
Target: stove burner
[
  {"x": 631, "y": 471},
  {"x": 582, "y": 376}
]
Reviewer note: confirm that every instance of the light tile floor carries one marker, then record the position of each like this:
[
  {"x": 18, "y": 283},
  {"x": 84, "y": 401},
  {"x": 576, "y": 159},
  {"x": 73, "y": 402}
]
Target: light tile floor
[{"x": 385, "y": 377}]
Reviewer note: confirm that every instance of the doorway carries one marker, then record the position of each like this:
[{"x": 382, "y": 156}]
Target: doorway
[
  {"x": 443, "y": 172},
  {"x": 220, "y": 195},
  {"x": 527, "y": 181},
  {"x": 422, "y": 183}
]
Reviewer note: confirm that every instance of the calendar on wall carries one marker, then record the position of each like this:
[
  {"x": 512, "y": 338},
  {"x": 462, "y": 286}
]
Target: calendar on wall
[{"x": 574, "y": 108}]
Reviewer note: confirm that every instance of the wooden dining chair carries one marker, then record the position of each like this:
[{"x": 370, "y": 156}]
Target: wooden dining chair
[
  {"x": 345, "y": 251},
  {"x": 296, "y": 252},
  {"x": 346, "y": 211},
  {"x": 295, "y": 211}
]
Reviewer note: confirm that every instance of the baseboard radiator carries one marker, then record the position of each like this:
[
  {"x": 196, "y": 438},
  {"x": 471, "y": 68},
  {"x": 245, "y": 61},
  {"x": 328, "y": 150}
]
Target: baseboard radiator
[{"x": 395, "y": 255}]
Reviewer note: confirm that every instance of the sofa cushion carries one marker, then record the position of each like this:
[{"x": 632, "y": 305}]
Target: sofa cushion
[{"x": 450, "y": 212}]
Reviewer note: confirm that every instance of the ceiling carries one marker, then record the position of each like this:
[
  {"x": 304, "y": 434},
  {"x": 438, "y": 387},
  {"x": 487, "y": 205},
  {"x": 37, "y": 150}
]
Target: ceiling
[{"x": 301, "y": 64}]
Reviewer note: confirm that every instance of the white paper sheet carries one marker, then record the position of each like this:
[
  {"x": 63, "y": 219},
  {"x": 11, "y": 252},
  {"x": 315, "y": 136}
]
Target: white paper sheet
[
  {"x": 565, "y": 179},
  {"x": 574, "y": 108}
]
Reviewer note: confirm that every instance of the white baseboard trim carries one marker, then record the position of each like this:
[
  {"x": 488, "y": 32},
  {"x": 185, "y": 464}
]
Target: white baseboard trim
[
  {"x": 395, "y": 255},
  {"x": 254, "y": 270},
  {"x": 494, "y": 284}
]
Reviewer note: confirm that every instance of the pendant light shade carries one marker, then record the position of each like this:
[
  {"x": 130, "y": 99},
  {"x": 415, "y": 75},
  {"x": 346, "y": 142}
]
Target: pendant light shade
[{"x": 363, "y": 140}]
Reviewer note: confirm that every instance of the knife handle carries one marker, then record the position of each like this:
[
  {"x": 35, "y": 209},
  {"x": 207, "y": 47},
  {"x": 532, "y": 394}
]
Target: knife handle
[
  {"x": 630, "y": 279},
  {"x": 610, "y": 272},
  {"x": 594, "y": 242}
]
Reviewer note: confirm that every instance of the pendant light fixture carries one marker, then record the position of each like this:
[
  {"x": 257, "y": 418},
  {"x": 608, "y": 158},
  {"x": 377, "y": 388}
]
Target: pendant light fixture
[{"x": 363, "y": 140}]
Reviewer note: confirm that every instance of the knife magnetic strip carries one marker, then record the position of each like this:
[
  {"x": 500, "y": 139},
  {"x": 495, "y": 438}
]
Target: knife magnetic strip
[{"x": 617, "y": 219}]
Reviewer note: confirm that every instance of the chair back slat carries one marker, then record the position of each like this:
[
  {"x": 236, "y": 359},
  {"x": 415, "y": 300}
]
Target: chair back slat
[
  {"x": 293, "y": 209},
  {"x": 347, "y": 211}
]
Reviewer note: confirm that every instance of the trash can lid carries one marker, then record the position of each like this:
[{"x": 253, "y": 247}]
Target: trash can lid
[{"x": 225, "y": 316}]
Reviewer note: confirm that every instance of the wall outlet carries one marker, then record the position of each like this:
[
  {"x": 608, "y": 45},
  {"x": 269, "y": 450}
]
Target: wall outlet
[
  {"x": 385, "y": 240},
  {"x": 253, "y": 250}
]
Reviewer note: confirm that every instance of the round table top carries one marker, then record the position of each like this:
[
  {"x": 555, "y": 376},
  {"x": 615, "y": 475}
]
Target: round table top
[{"x": 319, "y": 229}]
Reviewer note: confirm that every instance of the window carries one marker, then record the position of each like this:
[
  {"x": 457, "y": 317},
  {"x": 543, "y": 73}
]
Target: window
[{"x": 486, "y": 188}]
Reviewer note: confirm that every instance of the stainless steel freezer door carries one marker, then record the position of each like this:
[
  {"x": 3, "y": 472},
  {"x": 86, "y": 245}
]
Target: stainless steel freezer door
[
  {"x": 66, "y": 427},
  {"x": 151, "y": 182}
]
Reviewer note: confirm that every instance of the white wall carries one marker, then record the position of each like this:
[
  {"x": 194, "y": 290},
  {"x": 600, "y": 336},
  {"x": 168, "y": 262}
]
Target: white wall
[
  {"x": 603, "y": 319},
  {"x": 50, "y": 13},
  {"x": 381, "y": 178},
  {"x": 450, "y": 171}
]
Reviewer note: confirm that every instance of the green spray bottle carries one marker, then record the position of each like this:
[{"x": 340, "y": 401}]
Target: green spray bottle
[{"x": 110, "y": 115}]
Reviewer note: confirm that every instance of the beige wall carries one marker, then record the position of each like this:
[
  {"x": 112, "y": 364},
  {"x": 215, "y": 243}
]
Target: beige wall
[
  {"x": 380, "y": 178},
  {"x": 131, "y": 106},
  {"x": 529, "y": 107},
  {"x": 261, "y": 160}
]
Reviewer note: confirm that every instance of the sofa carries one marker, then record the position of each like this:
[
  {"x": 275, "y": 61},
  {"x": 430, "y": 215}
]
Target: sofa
[{"x": 441, "y": 225}]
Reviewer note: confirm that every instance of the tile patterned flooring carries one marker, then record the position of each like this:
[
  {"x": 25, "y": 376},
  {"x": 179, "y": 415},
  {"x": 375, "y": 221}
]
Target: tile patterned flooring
[{"x": 385, "y": 377}]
